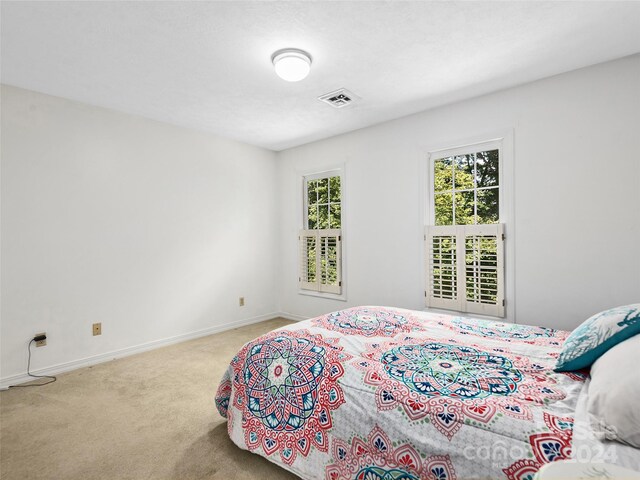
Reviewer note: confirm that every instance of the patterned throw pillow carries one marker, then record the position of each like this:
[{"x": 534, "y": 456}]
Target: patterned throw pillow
[{"x": 597, "y": 335}]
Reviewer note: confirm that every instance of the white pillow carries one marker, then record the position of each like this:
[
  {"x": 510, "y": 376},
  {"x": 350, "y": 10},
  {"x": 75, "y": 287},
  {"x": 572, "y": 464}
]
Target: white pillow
[{"x": 614, "y": 393}]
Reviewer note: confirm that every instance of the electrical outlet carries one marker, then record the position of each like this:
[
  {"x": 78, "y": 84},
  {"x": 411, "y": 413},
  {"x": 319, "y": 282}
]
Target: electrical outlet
[
  {"x": 97, "y": 329},
  {"x": 41, "y": 343},
  {"x": 241, "y": 301}
]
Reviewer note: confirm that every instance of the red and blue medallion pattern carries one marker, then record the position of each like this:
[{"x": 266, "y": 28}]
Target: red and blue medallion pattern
[
  {"x": 379, "y": 393},
  {"x": 286, "y": 388},
  {"x": 445, "y": 370},
  {"x": 508, "y": 332},
  {"x": 375, "y": 458},
  {"x": 368, "y": 322},
  {"x": 223, "y": 395},
  {"x": 447, "y": 384},
  {"x": 554, "y": 443}
]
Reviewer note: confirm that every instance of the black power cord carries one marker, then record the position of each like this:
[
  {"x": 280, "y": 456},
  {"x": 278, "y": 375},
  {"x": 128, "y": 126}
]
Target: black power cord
[{"x": 53, "y": 379}]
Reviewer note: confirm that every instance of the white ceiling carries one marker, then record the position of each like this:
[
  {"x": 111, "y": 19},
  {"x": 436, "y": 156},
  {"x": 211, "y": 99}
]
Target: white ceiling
[{"x": 206, "y": 65}]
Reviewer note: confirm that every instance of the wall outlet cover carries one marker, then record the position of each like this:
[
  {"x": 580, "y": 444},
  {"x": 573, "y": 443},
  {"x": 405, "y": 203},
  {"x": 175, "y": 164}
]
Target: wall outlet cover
[{"x": 41, "y": 343}]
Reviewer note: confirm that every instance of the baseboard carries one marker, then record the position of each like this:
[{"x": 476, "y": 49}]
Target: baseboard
[
  {"x": 125, "y": 352},
  {"x": 291, "y": 316}
]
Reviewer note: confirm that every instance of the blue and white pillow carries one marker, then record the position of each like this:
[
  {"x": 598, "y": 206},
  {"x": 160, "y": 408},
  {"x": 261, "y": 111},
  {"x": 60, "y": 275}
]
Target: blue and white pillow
[{"x": 597, "y": 335}]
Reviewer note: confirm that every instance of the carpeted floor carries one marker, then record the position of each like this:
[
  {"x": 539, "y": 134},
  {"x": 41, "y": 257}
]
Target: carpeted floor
[{"x": 148, "y": 416}]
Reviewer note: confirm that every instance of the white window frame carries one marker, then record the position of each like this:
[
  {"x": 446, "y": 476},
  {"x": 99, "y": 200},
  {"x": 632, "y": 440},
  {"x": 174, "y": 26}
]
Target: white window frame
[
  {"x": 502, "y": 141},
  {"x": 304, "y": 177}
]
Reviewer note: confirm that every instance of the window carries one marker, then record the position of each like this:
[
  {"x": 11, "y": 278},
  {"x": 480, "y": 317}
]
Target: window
[
  {"x": 465, "y": 239},
  {"x": 466, "y": 188},
  {"x": 320, "y": 240}
]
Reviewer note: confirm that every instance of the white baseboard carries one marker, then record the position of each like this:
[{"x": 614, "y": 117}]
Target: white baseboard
[
  {"x": 291, "y": 316},
  {"x": 125, "y": 352}
]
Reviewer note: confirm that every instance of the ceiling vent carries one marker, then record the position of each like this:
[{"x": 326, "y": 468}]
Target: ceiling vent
[{"x": 339, "y": 98}]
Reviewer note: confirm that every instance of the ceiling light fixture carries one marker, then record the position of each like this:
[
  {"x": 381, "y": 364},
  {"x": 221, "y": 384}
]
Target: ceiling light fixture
[{"x": 291, "y": 64}]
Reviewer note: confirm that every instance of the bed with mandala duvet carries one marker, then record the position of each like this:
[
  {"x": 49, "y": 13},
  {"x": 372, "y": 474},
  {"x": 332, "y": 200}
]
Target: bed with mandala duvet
[{"x": 385, "y": 393}]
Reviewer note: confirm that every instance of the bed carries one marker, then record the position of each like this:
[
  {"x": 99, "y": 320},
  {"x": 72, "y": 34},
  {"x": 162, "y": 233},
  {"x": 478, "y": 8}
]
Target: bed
[{"x": 385, "y": 393}]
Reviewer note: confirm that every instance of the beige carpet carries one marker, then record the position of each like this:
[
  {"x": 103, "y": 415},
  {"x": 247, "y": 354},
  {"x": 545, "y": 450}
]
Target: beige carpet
[{"x": 148, "y": 416}]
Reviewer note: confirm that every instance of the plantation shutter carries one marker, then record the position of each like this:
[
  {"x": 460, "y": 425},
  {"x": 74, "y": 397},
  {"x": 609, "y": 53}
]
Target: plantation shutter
[
  {"x": 307, "y": 249},
  {"x": 465, "y": 268},
  {"x": 484, "y": 269},
  {"x": 442, "y": 268},
  {"x": 320, "y": 266}
]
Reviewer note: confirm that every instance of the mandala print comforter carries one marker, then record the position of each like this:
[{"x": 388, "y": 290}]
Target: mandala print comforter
[{"x": 380, "y": 393}]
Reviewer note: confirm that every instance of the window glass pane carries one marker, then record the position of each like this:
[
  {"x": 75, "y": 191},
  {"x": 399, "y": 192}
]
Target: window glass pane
[
  {"x": 311, "y": 192},
  {"x": 334, "y": 189},
  {"x": 323, "y": 216},
  {"x": 323, "y": 190},
  {"x": 462, "y": 175},
  {"x": 323, "y": 203},
  {"x": 334, "y": 219},
  {"x": 487, "y": 168},
  {"x": 463, "y": 171},
  {"x": 443, "y": 174},
  {"x": 312, "y": 217},
  {"x": 444, "y": 208},
  {"x": 464, "y": 208},
  {"x": 488, "y": 208}
]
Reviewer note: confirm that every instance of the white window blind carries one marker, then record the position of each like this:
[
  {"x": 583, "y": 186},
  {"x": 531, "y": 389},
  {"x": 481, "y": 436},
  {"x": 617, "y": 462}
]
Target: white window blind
[
  {"x": 320, "y": 265},
  {"x": 465, "y": 269}
]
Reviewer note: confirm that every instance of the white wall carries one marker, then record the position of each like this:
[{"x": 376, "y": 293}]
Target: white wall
[
  {"x": 576, "y": 196},
  {"x": 151, "y": 229},
  {"x": 155, "y": 231}
]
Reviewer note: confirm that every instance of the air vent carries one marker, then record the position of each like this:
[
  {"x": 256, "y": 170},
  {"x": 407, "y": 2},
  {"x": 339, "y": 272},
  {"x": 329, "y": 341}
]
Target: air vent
[{"x": 339, "y": 98}]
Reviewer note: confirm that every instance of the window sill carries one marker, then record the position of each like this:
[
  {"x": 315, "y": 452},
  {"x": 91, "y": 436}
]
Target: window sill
[{"x": 329, "y": 296}]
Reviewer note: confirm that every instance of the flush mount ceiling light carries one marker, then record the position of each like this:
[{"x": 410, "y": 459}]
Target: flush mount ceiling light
[{"x": 291, "y": 64}]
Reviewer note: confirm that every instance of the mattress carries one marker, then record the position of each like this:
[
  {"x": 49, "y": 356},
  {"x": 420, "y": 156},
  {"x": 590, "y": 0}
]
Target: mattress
[{"x": 388, "y": 393}]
